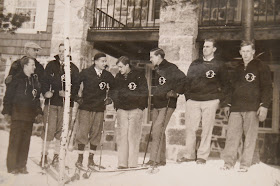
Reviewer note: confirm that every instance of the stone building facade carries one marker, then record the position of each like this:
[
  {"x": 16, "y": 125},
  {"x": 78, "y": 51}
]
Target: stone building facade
[{"x": 178, "y": 35}]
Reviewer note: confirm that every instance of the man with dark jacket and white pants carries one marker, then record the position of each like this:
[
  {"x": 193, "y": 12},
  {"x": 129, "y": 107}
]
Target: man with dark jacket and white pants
[
  {"x": 205, "y": 87},
  {"x": 251, "y": 95},
  {"x": 169, "y": 82},
  {"x": 96, "y": 82},
  {"x": 53, "y": 89},
  {"x": 130, "y": 99}
]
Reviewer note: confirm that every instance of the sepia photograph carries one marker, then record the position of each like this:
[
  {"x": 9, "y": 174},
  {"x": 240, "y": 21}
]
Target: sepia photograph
[{"x": 140, "y": 92}]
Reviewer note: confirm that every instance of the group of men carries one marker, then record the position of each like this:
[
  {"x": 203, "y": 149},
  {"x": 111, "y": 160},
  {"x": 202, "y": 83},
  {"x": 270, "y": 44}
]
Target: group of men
[{"x": 245, "y": 95}]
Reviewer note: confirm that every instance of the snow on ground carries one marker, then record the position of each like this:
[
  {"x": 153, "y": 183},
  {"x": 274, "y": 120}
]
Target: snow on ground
[{"x": 172, "y": 174}]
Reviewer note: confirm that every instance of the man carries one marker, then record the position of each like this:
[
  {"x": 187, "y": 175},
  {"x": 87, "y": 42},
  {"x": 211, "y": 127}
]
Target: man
[
  {"x": 205, "y": 87},
  {"x": 130, "y": 99},
  {"x": 53, "y": 89},
  {"x": 251, "y": 97},
  {"x": 31, "y": 50},
  {"x": 168, "y": 84},
  {"x": 96, "y": 82},
  {"x": 20, "y": 107}
]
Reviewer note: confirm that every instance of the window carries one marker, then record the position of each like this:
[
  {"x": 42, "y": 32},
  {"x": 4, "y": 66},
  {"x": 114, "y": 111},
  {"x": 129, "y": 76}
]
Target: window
[
  {"x": 36, "y": 9},
  {"x": 27, "y": 7}
]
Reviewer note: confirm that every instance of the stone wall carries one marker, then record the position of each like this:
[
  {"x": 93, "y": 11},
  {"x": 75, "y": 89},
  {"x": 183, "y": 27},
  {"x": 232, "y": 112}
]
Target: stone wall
[{"x": 177, "y": 35}]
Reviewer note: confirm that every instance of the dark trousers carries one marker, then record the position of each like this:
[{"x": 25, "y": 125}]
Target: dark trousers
[{"x": 19, "y": 142}]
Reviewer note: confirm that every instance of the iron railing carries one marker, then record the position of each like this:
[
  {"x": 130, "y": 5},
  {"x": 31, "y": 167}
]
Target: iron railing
[
  {"x": 267, "y": 12},
  {"x": 144, "y": 14},
  {"x": 126, "y": 14},
  {"x": 229, "y": 12},
  {"x": 220, "y": 12}
]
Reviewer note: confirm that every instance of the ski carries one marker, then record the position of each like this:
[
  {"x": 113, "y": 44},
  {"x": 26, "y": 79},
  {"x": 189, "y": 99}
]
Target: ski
[
  {"x": 121, "y": 170},
  {"x": 49, "y": 169}
]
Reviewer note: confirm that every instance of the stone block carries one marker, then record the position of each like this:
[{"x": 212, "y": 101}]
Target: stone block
[
  {"x": 109, "y": 125},
  {"x": 176, "y": 137},
  {"x": 217, "y": 130},
  {"x": 221, "y": 142},
  {"x": 182, "y": 121},
  {"x": 109, "y": 137}
]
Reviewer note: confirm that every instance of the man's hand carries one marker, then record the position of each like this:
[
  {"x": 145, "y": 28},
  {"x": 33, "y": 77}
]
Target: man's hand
[
  {"x": 262, "y": 113},
  {"x": 48, "y": 94},
  {"x": 171, "y": 94},
  {"x": 227, "y": 111},
  {"x": 62, "y": 93},
  {"x": 108, "y": 101},
  {"x": 39, "y": 118},
  {"x": 8, "y": 118}
]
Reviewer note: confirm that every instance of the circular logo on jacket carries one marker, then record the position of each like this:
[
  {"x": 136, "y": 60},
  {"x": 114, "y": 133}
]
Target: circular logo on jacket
[
  {"x": 62, "y": 78},
  {"x": 34, "y": 93},
  {"x": 102, "y": 85},
  {"x": 162, "y": 80},
  {"x": 210, "y": 74},
  {"x": 132, "y": 86},
  {"x": 250, "y": 77}
]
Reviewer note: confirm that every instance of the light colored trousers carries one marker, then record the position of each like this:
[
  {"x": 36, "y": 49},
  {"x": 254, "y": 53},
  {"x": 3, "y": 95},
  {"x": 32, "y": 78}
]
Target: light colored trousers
[
  {"x": 196, "y": 112},
  {"x": 239, "y": 123},
  {"x": 128, "y": 136},
  {"x": 160, "y": 118},
  {"x": 54, "y": 117}
]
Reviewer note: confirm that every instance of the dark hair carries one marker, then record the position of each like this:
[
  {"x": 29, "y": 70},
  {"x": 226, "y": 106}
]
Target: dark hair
[
  {"x": 99, "y": 55},
  {"x": 247, "y": 43},
  {"x": 62, "y": 44},
  {"x": 25, "y": 61},
  {"x": 124, "y": 60},
  {"x": 211, "y": 40},
  {"x": 158, "y": 51}
]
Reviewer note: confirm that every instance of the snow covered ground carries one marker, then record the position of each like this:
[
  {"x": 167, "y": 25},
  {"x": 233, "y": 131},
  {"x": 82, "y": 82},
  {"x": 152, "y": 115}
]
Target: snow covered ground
[{"x": 185, "y": 174}]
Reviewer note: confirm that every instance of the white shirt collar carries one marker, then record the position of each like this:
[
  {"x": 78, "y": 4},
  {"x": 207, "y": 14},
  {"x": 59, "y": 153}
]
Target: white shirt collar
[
  {"x": 208, "y": 59},
  {"x": 98, "y": 72}
]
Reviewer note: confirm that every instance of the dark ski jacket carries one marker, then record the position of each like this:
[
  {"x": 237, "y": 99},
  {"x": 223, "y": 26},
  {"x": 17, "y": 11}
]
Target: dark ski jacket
[
  {"x": 16, "y": 68},
  {"x": 207, "y": 80},
  {"x": 21, "y": 100},
  {"x": 251, "y": 87},
  {"x": 167, "y": 77},
  {"x": 54, "y": 77},
  {"x": 94, "y": 89},
  {"x": 131, "y": 91}
]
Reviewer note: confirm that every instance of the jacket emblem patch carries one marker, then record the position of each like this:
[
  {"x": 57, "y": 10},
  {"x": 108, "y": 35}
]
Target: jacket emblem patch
[
  {"x": 162, "y": 80},
  {"x": 132, "y": 86},
  {"x": 63, "y": 78},
  {"x": 102, "y": 85},
  {"x": 250, "y": 77},
  {"x": 210, "y": 74}
]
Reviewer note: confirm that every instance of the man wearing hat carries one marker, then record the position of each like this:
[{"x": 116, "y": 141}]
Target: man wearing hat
[{"x": 31, "y": 50}]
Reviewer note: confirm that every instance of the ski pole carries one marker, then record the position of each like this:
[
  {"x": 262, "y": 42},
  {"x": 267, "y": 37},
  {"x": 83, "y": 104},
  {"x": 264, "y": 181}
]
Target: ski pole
[
  {"x": 46, "y": 131},
  {"x": 102, "y": 132},
  {"x": 148, "y": 144},
  {"x": 161, "y": 136}
]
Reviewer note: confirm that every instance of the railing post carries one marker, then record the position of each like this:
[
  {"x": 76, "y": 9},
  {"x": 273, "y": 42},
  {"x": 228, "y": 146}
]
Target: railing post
[{"x": 248, "y": 20}]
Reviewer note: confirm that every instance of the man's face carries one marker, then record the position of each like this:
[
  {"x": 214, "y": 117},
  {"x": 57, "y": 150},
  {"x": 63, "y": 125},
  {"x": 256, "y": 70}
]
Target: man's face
[
  {"x": 61, "y": 50},
  {"x": 32, "y": 52},
  {"x": 208, "y": 49},
  {"x": 155, "y": 59},
  {"x": 123, "y": 69},
  {"x": 30, "y": 66},
  {"x": 247, "y": 53},
  {"x": 100, "y": 63}
]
